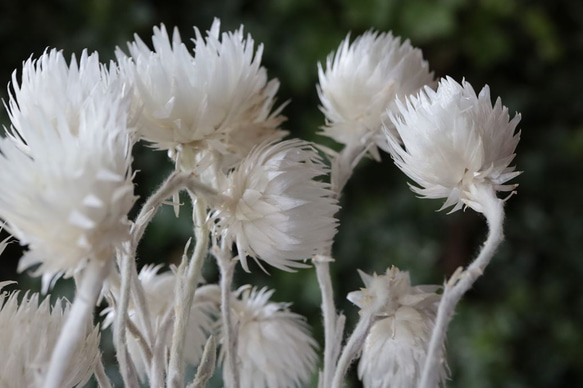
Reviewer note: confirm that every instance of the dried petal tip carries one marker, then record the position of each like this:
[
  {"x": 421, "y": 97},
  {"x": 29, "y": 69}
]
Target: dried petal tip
[
  {"x": 455, "y": 144},
  {"x": 275, "y": 347},
  {"x": 28, "y": 334},
  {"x": 395, "y": 349},
  {"x": 361, "y": 82}
]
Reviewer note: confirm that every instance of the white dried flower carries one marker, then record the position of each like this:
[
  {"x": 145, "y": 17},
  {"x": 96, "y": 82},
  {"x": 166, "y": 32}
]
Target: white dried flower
[
  {"x": 396, "y": 347},
  {"x": 455, "y": 144},
  {"x": 362, "y": 81},
  {"x": 65, "y": 187},
  {"x": 159, "y": 291},
  {"x": 28, "y": 334},
  {"x": 208, "y": 100},
  {"x": 275, "y": 210},
  {"x": 275, "y": 349}
]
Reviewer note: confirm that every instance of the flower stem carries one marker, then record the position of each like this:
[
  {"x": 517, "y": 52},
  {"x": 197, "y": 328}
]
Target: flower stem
[
  {"x": 183, "y": 305},
  {"x": 458, "y": 284},
  {"x": 80, "y": 318},
  {"x": 227, "y": 268},
  {"x": 332, "y": 337},
  {"x": 129, "y": 274},
  {"x": 352, "y": 348},
  {"x": 343, "y": 165}
]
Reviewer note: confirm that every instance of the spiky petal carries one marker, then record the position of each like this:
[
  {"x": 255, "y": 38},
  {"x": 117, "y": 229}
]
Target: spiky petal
[
  {"x": 275, "y": 209},
  {"x": 455, "y": 143},
  {"x": 396, "y": 347},
  {"x": 360, "y": 83},
  {"x": 65, "y": 187},
  {"x": 275, "y": 349},
  {"x": 28, "y": 334}
]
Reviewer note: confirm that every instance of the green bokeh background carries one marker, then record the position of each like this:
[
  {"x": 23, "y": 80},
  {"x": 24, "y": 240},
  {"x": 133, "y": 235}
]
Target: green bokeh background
[{"x": 521, "y": 324}]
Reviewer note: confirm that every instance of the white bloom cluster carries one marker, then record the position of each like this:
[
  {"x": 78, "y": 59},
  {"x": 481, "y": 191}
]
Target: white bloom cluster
[
  {"x": 65, "y": 187},
  {"x": 218, "y": 99},
  {"x": 28, "y": 333},
  {"x": 275, "y": 209},
  {"x": 275, "y": 348},
  {"x": 454, "y": 142},
  {"x": 395, "y": 348},
  {"x": 361, "y": 83},
  {"x": 159, "y": 291}
]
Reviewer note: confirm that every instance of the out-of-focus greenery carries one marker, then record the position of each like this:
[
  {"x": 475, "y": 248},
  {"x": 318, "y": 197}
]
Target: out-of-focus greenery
[{"x": 521, "y": 326}]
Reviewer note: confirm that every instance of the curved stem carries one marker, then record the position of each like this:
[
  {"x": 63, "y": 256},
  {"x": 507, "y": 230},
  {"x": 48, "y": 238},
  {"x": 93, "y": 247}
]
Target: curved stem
[
  {"x": 342, "y": 167},
  {"x": 227, "y": 268},
  {"x": 352, "y": 348},
  {"x": 332, "y": 339},
  {"x": 184, "y": 301},
  {"x": 459, "y": 283},
  {"x": 80, "y": 317}
]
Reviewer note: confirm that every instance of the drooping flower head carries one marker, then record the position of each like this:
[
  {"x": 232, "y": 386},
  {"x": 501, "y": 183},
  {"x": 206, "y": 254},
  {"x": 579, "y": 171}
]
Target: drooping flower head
[
  {"x": 275, "y": 349},
  {"x": 275, "y": 210},
  {"x": 28, "y": 334},
  {"x": 396, "y": 347},
  {"x": 455, "y": 143},
  {"x": 65, "y": 187},
  {"x": 361, "y": 82},
  {"x": 159, "y": 291},
  {"x": 211, "y": 99}
]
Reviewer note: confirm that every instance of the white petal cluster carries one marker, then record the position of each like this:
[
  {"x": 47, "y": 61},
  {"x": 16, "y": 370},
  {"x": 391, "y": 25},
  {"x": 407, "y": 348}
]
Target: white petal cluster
[
  {"x": 65, "y": 187},
  {"x": 218, "y": 97},
  {"x": 28, "y": 334},
  {"x": 454, "y": 143},
  {"x": 274, "y": 208},
  {"x": 361, "y": 82},
  {"x": 395, "y": 349},
  {"x": 275, "y": 348},
  {"x": 159, "y": 291}
]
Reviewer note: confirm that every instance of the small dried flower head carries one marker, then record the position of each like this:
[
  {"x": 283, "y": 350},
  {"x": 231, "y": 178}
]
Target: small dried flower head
[
  {"x": 275, "y": 210},
  {"x": 395, "y": 349},
  {"x": 208, "y": 100},
  {"x": 455, "y": 144},
  {"x": 362, "y": 81},
  {"x": 275, "y": 348},
  {"x": 159, "y": 290},
  {"x": 28, "y": 335},
  {"x": 65, "y": 187}
]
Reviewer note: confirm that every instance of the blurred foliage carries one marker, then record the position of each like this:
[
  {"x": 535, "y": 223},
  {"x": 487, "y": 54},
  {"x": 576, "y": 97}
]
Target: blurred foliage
[{"x": 521, "y": 325}]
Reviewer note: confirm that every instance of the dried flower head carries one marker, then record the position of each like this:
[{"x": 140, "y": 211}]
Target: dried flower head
[
  {"x": 159, "y": 290},
  {"x": 28, "y": 334},
  {"x": 65, "y": 187},
  {"x": 455, "y": 143},
  {"x": 362, "y": 81},
  {"x": 395, "y": 349},
  {"x": 208, "y": 100},
  {"x": 275, "y": 349},
  {"x": 275, "y": 210}
]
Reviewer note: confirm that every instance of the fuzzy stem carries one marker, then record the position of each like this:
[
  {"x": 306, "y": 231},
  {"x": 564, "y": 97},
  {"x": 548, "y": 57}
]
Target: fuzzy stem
[
  {"x": 183, "y": 305},
  {"x": 129, "y": 275},
  {"x": 332, "y": 342},
  {"x": 352, "y": 348},
  {"x": 80, "y": 317},
  {"x": 459, "y": 283},
  {"x": 342, "y": 167},
  {"x": 227, "y": 268},
  {"x": 101, "y": 376},
  {"x": 207, "y": 364}
]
